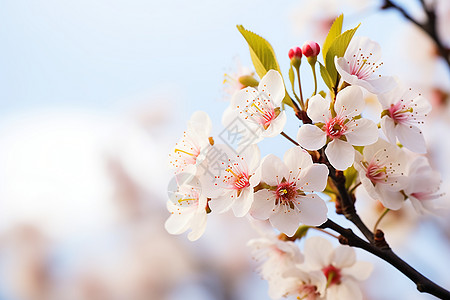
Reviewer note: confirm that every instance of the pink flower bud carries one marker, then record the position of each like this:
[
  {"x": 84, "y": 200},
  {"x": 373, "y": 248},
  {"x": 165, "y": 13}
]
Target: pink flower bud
[
  {"x": 295, "y": 52},
  {"x": 310, "y": 48}
]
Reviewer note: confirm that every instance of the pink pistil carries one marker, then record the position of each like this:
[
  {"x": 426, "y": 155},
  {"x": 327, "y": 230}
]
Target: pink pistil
[{"x": 335, "y": 127}]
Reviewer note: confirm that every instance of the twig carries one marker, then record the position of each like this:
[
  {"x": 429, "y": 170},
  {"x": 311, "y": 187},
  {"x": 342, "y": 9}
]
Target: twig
[
  {"x": 289, "y": 138},
  {"x": 428, "y": 26},
  {"x": 423, "y": 284}
]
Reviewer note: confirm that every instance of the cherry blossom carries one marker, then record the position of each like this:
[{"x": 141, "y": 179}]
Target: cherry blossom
[
  {"x": 285, "y": 202},
  {"x": 304, "y": 285},
  {"x": 360, "y": 64},
  {"x": 277, "y": 258},
  {"x": 403, "y": 111},
  {"x": 232, "y": 178},
  {"x": 187, "y": 206},
  {"x": 339, "y": 266},
  {"x": 423, "y": 186},
  {"x": 260, "y": 108},
  {"x": 239, "y": 79},
  {"x": 190, "y": 151},
  {"x": 382, "y": 171},
  {"x": 340, "y": 130}
]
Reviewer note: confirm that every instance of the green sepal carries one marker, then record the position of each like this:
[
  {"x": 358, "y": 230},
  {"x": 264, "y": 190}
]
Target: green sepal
[{"x": 323, "y": 94}]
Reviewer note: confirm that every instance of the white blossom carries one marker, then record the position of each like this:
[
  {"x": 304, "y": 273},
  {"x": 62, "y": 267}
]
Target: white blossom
[
  {"x": 285, "y": 202},
  {"x": 231, "y": 178},
  {"x": 187, "y": 206},
  {"x": 382, "y": 171},
  {"x": 340, "y": 130},
  {"x": 403, "y": 111},
  {"x": 190, "y": 151},
  {"x": 259, "y": 108},
  {"x": 423, "y": 189},
  {"x": 339, "y": 266},
  {"x": 234, "y": 81},
  {"x": 360, "y": 64},
  {"x": 301, "y": 284},
  {"x": 277, "y": 258}
]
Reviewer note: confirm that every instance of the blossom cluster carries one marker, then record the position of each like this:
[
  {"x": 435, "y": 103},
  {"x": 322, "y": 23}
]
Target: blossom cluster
[{"x": 290, "y": 192}]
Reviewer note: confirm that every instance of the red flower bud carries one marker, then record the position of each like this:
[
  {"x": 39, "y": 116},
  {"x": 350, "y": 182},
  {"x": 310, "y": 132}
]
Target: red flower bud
[
  {"x": 295, "y": 52},
  {"x": 310, "y": 48}
]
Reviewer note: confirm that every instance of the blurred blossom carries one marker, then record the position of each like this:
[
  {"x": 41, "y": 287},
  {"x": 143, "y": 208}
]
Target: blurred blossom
[{"x": 314, "y": 18}]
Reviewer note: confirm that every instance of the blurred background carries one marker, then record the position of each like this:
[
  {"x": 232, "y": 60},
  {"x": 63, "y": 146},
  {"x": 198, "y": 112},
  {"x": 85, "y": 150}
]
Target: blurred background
[{"x": 93, "y": 94}]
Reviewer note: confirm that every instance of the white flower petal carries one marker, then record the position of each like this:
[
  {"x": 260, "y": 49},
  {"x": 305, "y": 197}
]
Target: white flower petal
[
  {"x": 343, "y": 257},
  {"x": 365, "y": 44},
  {"x": 349, "y": 102},
  {"x": 390, "y": 199},
  {"x": 360, "y": 270},
  {"x": 222, "y": 203},
  {"x": 313, "y": 210},
  {"x": 317, "y": 252},
  {"x": 276, "y": 126},
  {"x": 411, "y": 137},
  {"x": 273, "y": 170},
  {"x": 252, "y": 157},
  {"x": 286, "y": 220},
  {"x": 263, "y": 204},
  {"x": 381, "y": 84},
  {"x": 340, "y": 154},
  {"x": 421, "y": 105},
  {"x": 296, "y": 158},
  {"x": 200, "y": 123},
  {"x": 348, "y": 289},
  {"x": 177, "y": 223},
  {"x": 311, "y": 137},
  {"x": 243, "y": 97},
  {"x": 362, "y": 132},
  {"x": 272, "y": 85},
  {"x": 198, "y": 226},
  {"x": 318, "y": 109},
  {"x": 313, "y": 178},
  {"x": 388, "y": 127},
  {"x": 242, "y": 205}
]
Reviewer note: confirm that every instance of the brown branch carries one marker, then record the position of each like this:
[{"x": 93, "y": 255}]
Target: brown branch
[
  {"x": 347, "y": 204},
  {"x": 423, "y": 284},
  {"x": 428, "y": 26}
]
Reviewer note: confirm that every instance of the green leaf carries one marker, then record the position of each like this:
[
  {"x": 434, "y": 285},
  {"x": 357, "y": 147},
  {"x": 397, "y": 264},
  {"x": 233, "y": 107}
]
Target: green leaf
[
  {"x": 350, "y": 176},
  {"x": 261, "y": 52},
  {"x": 335, "y": 31},
  {"x": 325, "y": 76},
  {"x": 338, "y": 48},
  {"x": 263, "y": 56}
]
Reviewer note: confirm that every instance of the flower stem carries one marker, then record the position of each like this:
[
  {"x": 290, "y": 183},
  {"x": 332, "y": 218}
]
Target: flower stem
[
  {"x": 326, "y": 232},
  {"x": 313, "y": 67},
  {"x": 380, "y": 218},
  {"x": 289, "y": 138},
  {"x": 302, "y": 104}
]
